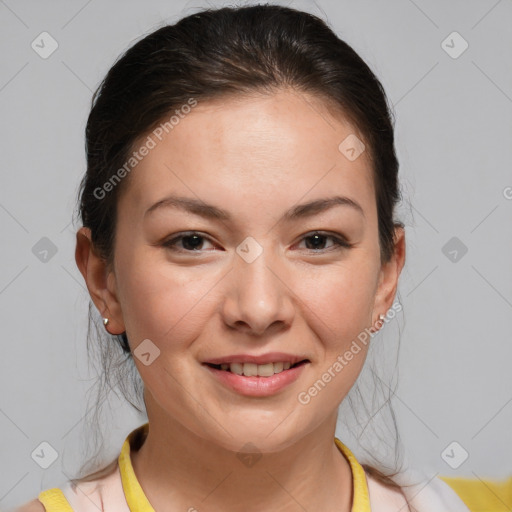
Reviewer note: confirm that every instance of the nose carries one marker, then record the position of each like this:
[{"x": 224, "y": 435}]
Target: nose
[{"x": 259, "y": 297}]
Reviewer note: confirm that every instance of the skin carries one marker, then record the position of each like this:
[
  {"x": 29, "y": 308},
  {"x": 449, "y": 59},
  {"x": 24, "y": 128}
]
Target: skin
[{"x": 255, "y": 156}]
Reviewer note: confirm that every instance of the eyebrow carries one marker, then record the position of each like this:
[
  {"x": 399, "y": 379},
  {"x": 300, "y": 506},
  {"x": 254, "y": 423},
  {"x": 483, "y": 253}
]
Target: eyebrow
[{"x": 208, "y": 211}]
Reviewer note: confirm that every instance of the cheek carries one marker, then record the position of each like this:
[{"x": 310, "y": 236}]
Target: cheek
[
  {"x": 339, "y": 301},
  {"x": 163, "y": 302}
]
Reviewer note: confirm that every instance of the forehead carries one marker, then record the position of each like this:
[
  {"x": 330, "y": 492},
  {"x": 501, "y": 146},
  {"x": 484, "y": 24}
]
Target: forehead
[{"x": 283, "y": 146}]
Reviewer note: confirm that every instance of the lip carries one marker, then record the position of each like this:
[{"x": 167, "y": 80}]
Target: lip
[
  {"x": 269, "y": 357},
  {"x": 257, "y": 386}
]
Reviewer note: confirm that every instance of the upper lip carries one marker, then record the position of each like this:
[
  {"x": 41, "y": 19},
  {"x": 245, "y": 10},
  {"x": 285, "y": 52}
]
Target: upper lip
[{"x": 270, "y": 357}]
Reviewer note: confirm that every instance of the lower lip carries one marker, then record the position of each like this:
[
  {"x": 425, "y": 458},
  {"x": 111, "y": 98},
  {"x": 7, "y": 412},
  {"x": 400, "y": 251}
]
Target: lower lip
[{"x": 257, "y": 386}]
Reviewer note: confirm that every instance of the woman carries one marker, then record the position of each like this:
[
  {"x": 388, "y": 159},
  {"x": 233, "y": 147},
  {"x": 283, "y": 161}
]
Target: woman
[{"x": 239, "y": 240}]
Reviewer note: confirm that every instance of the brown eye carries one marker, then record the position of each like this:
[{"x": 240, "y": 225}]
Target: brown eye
[
  {"x": 190, "y": 242},
  {"x": 316, "y": 242}
]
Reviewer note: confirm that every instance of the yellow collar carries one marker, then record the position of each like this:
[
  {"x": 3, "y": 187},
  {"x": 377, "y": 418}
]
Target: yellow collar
[{"x": 137, "y": 501}]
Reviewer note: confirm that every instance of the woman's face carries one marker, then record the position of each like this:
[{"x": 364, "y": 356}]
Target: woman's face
[{"x": 255, "y": 280}]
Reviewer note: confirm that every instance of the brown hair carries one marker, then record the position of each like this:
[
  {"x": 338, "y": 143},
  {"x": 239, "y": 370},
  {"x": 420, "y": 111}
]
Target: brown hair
[{"x": 228, "y": 52}]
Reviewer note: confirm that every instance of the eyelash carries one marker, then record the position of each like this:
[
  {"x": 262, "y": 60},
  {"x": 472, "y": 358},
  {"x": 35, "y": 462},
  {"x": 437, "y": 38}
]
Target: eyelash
[{"x": 339, "y": 242}]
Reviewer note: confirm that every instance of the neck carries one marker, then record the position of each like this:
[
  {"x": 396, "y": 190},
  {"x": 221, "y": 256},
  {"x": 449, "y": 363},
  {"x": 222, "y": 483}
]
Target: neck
[{"x": 179, "y": 470}]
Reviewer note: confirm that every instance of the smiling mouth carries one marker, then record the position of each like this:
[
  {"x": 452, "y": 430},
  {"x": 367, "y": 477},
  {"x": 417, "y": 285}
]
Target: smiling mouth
[{"x": 256, "y": 370}]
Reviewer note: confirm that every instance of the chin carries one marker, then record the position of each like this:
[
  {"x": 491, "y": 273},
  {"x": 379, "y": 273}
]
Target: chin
[{"x": 258, "y": 435}]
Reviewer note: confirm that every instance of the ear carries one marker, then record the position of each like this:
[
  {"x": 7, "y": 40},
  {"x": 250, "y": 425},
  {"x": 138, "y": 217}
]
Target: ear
[
  {"x": 388, "y": 278},
  {"x": 100, "y": 281}
]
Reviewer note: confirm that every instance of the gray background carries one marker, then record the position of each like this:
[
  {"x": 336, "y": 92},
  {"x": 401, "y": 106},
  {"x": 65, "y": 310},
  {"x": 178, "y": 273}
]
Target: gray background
[{"x": 453, "y": 130}]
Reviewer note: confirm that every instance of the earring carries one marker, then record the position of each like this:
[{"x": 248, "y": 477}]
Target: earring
[
  {"x": 105, "y": 323},
  {"x": 373, "y": 329}
]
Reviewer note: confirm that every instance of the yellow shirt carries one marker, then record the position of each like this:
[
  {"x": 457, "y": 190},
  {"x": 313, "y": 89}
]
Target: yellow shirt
[
  {"x": 54, "y": 499},
  {"x": 120, "y": 491}
]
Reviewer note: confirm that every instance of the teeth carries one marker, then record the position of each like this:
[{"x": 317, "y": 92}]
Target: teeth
[{"x": 253, "y": 370}]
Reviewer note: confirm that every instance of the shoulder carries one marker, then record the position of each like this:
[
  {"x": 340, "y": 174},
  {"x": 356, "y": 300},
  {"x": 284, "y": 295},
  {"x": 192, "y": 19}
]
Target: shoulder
[
  {"x": 447, "y": 495},
  {"x": 32, "y": 506},
  {"x": 90, "y": 494},
  {"x": 417, "y": 493},
  {"x": 384, "y": 498},
  {"x": 101, "y": 491}
]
